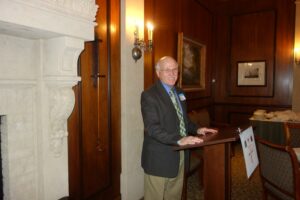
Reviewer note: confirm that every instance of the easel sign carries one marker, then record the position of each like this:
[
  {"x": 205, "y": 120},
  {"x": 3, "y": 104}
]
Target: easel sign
[{"x": 249, "y": 150}]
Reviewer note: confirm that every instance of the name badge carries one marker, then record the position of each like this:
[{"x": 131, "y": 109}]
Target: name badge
[{"x": 182, "y": 97}]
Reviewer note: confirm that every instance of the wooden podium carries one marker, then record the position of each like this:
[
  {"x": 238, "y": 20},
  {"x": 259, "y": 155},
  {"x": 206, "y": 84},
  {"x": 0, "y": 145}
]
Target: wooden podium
[{"x": 217, "y": 163}]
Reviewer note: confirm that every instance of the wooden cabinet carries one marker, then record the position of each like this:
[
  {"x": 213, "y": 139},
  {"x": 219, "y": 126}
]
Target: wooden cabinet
[{"x": 94, "y": 126}]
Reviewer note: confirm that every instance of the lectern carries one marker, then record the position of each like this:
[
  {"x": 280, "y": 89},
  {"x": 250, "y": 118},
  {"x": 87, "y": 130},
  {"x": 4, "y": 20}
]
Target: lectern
[{"x": 217, "y": 163}]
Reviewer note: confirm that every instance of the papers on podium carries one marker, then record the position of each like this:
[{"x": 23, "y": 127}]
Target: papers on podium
[{"x": 249, "y": 150}]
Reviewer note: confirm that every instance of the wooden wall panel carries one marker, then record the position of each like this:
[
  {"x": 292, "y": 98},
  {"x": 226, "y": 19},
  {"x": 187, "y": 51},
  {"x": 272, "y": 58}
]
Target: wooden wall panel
[
  {"x": 253, "y": 39},
  {"x": 171, "y": 17},
  {"x": 276, "y": 49},
  {"x": 165, "y": 16},
  {"x": 222, "y": 25},
  {"x": 115, "y": 99},
  {"x": 197, "y": 24}
]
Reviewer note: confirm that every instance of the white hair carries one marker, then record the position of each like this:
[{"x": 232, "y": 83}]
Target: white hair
[{"x": 163, "y": 60}]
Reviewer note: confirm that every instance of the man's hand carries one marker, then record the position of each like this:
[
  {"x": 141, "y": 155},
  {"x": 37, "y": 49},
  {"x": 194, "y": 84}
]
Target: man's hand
[
  {"x": 203, "y": 131},
  {"x": 189, "y": 140}
]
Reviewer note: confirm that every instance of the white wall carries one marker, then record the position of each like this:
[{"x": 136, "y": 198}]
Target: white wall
[
  {"x": 132, "y": 84},
  {"x": 296, "y": 84}
]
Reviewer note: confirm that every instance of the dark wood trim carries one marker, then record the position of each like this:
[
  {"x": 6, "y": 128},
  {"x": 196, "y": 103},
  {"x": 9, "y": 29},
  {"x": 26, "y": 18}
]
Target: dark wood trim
[
  {"x": 115, "y": 94},
  {"x": 149, "y": 71}
]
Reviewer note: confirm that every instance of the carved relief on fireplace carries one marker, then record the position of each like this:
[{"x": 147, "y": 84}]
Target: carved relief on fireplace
[{"x": 59, "y": 113}]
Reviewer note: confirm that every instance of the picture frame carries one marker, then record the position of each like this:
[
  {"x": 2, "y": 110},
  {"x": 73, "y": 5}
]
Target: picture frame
[
  {"x": 251, "y": 73},
  {"x": 192, "y": 64}
]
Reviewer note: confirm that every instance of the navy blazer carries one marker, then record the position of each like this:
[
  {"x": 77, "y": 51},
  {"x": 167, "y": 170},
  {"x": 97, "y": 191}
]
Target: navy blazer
[{"x": 161, "y": 131}]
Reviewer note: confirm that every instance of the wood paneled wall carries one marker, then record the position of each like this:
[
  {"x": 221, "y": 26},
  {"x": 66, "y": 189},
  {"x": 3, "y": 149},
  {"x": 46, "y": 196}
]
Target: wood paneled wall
[
  {"x": 253, "y": 30},
  {"x": 233, "y": 31},
  {"x": 166, "y": 18},
  {"x": 171, "y": 17}
]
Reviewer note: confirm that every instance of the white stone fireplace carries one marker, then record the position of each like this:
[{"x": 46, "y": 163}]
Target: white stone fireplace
[{"x": 40, "y": 41}]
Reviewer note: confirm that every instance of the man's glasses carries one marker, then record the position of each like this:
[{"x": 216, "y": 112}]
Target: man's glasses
[{"x": 175, "y": 70}]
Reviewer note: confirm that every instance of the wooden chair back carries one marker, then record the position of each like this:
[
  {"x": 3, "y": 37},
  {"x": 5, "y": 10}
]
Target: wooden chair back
[
  {"x": 292, "y": 134},
  {"x": 279, "y": 170}
]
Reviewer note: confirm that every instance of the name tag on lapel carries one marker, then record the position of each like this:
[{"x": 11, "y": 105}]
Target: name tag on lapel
[{"x": 182, "y": 97}]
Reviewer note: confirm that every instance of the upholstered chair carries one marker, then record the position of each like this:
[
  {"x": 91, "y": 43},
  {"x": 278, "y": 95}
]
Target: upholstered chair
[
  {"x": 292, "y": 136},
  {"x": 279, "y": 171}
]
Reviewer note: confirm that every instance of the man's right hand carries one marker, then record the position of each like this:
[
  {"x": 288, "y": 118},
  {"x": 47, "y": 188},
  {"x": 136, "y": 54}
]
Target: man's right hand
[{"x": 189, "y": 140}]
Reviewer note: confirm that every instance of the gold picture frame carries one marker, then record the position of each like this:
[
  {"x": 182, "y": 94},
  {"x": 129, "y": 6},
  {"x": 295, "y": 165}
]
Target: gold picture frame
[{"x": 192, "y": 63}]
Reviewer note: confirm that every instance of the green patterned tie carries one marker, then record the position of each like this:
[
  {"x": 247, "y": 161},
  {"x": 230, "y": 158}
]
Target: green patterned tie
[{"x": 179, "y": 113}]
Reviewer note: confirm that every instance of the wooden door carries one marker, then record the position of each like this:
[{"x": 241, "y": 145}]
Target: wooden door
[{"x": 94, "y": 129}]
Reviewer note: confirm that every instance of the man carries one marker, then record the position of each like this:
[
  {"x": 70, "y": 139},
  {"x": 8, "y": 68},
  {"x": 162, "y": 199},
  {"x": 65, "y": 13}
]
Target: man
[{"x": 166, "y": 125}]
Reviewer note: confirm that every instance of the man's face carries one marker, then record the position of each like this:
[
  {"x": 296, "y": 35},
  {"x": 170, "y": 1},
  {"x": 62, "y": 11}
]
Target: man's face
[{"x": 168, "y": 72}]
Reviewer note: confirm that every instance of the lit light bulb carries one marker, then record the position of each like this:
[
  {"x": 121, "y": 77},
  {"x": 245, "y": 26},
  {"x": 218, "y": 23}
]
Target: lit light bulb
[{"x": 150, "y": 30}]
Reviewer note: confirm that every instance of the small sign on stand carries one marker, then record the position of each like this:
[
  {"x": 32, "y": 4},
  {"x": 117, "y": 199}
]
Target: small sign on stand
[{"x": 249, "y": 150}]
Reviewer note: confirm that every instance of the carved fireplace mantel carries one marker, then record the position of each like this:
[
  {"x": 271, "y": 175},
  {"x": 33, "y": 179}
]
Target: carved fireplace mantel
[{"x": 40, "y": 41}]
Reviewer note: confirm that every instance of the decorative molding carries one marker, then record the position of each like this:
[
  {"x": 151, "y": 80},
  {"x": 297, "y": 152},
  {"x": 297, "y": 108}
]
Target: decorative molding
[
  {"x": 61, "y": 56},
  {"x": 84, "y": 8},
  {"x": 61, "y": 103},
  {"x": 46, "y": 19},
  {"x": 59, "y": 113},
  {"x": 17, "y": 82}
]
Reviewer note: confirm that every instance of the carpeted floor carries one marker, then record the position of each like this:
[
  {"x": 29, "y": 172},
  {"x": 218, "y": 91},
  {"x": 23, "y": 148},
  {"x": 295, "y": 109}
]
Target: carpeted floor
[{"x": 242, "y": 188}]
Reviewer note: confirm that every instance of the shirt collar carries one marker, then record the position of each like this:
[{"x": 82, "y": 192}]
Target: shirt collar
[{"x": 167, "y": 87}]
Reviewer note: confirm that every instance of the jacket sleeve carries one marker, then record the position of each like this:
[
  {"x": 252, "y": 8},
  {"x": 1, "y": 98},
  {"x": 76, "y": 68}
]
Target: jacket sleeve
[{"x": 192, "y": 127}]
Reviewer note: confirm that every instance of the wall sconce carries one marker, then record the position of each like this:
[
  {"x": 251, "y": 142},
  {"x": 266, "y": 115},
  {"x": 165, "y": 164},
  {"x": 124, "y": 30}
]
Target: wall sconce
[
  {"x": 297, "y": 56},
  {"x": 140, "y": 44}
]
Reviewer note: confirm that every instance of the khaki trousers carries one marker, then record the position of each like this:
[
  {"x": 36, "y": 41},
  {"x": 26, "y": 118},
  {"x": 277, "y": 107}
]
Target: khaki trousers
[{"x": 160, "y": 188}]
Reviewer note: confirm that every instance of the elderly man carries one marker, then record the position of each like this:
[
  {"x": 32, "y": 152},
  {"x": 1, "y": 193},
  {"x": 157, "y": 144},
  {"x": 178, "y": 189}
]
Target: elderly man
[{"x": 166, "y": 125}]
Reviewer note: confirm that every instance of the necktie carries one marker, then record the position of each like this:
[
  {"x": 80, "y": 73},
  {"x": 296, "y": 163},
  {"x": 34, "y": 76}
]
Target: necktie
[{"x": 179, "y": 113}]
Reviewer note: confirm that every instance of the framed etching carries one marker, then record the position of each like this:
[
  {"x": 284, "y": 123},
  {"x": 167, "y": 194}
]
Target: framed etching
[
  {"x": 251, "y": 73},
  {"x": 191, "y": 61}
]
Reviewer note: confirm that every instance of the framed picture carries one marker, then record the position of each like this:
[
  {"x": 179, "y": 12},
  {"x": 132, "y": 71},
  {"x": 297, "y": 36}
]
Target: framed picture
[
  {"x": 251, "y": 73},
  {"x": 191, "y": 60}
]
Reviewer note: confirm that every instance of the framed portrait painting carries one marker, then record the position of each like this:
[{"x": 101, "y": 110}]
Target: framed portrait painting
[{"x": 192, "y": 61}]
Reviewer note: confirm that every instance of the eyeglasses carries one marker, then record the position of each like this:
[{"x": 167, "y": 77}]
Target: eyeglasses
[{"x": 175, "y": 70}]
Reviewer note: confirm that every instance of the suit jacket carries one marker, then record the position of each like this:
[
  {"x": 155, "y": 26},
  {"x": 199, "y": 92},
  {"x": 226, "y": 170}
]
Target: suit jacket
[{"x": 161, "y": 131}]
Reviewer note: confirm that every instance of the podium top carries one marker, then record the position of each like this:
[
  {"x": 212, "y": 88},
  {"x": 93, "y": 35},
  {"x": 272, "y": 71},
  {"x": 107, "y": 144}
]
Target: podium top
[{"x": 224, "y": 135}]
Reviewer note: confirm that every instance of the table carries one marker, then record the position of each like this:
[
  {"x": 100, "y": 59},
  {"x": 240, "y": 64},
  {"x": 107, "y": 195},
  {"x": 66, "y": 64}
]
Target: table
[{"x": 217, "y": 163}]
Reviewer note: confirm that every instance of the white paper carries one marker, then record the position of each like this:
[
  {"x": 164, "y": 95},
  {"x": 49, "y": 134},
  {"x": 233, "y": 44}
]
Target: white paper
[{"x": 249, "y": 150}]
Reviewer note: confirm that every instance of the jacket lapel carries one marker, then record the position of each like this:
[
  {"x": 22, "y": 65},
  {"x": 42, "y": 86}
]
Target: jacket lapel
[{"x": 165, "y": 96}]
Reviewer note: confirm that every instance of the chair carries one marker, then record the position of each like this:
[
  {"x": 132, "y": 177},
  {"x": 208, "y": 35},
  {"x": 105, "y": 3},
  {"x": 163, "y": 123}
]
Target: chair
[
  {"x": 292, "y": 136},
  {"x": 292, "y": 133},
  {"x": 279, "y": 171}
]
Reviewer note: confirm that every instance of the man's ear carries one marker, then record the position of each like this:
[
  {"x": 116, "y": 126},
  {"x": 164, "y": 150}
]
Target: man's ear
[{"x": 157, "y": 73}]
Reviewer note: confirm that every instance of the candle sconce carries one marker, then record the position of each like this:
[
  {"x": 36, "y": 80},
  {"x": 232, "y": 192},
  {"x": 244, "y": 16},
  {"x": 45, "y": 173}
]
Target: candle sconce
[{"x": 140, "y": 45}]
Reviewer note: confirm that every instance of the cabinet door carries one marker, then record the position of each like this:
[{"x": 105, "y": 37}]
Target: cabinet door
[
  {"x": 94, "y": 126},
  {"x": 92, "y": 144},
  {"x": 95, "y": 141}
]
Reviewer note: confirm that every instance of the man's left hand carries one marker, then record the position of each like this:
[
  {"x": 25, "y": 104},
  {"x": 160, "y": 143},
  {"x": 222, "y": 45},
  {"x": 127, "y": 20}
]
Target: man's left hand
[{"x": 203, "y": 131}]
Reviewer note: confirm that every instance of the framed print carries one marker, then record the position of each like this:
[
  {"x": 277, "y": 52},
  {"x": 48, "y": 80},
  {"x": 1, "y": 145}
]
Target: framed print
[
  {"x": 251, "y": 73},
  {"x": 191, "y": 60}
]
